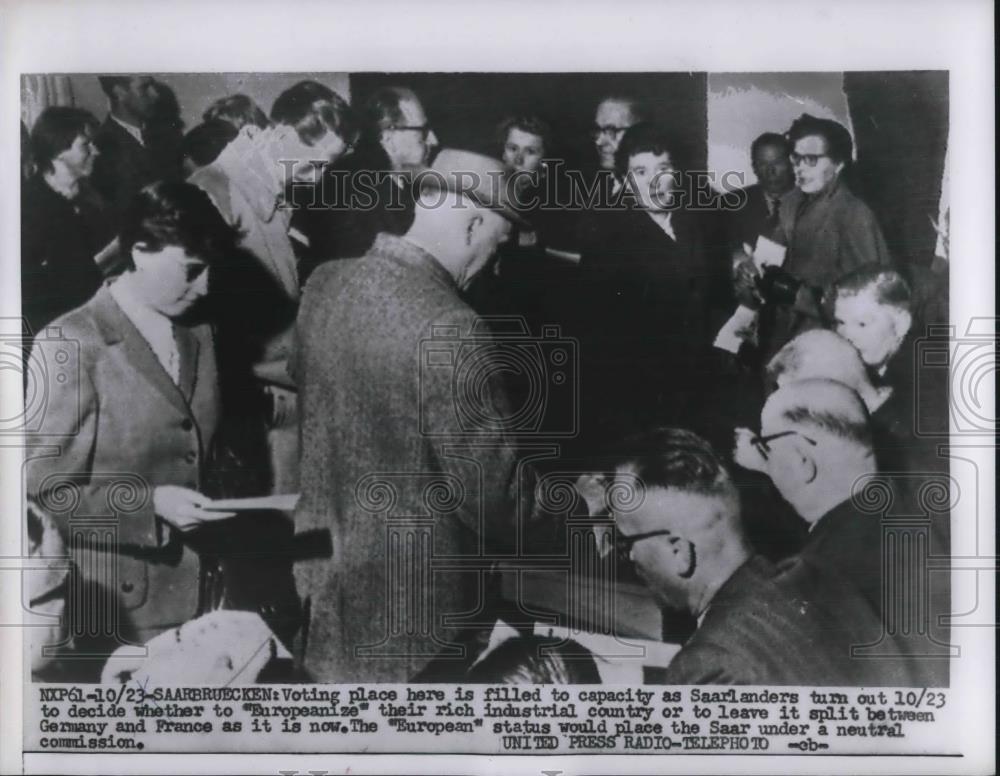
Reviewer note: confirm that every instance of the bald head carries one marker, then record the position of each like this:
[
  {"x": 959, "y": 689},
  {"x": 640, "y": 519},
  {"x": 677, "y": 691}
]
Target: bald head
[
  {"x": 820, "y": 354},
  {"x": 819, "y": 444},
  {"x": 817, "y": 406}
]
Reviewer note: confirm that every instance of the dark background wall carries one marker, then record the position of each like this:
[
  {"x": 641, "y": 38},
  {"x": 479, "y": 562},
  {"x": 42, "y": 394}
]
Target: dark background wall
[
  {"x": 901, "y": 130},
  {"x": 466, "y": 108}
]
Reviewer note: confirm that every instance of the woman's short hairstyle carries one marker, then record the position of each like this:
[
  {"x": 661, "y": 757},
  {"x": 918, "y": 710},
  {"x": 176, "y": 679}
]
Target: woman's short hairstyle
[
  {"x": 644, "y": 138},
  {"x": 313, "y": 110},
  {"x": 533, "y": 125},
  {"x": 238, "y": 109},
  {"x": 839, "y": 145},
  {"x": 536, "y": 660},
  {"x": 55, "y": 130},
  {"x": 170, "y": 213}
]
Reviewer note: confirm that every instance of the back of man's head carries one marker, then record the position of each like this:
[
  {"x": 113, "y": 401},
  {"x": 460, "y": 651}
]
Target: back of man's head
[
  {"x": 821, "y": 443},
  {"x": 820, "y": 354},
  {"x": 676, "y": 460}
]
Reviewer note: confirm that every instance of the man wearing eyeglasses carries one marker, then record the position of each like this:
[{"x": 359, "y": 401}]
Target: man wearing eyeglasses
[
  {"x": 614, "y": 115},
  {"x": 680, "y": 525},
  {"x": 827, "y": 230},
  {"x": 371, "y": 192}
]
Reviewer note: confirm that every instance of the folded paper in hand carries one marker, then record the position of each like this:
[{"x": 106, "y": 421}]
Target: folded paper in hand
[
  {"x": 285, "y": 503},
  {"x": 739, "y": 328},
  {"x": 768, "y": 253}
]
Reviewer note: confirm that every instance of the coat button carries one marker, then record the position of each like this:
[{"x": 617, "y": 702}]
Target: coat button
[
  {"x": 191, "y": 457},
  {"x": 186, "y": 424},
  {"x": 127, "y": 587}
]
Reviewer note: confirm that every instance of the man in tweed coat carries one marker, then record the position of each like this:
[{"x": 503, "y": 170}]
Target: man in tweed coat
[{"x": 407, "y": 461}]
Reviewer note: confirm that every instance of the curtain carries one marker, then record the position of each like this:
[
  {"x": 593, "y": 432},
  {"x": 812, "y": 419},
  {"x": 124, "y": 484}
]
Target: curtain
[{"x": 39, "y": 92}]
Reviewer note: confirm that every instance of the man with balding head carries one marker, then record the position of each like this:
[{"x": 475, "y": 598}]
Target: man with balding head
[
  {"x": 681, "y": 527},
  {"x": 390, "y": 405},
  {"x": 816, "y": 440}
]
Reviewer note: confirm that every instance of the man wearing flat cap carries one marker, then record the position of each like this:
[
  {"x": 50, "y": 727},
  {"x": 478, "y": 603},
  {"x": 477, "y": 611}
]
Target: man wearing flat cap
[{"x": 408, "y": 460}]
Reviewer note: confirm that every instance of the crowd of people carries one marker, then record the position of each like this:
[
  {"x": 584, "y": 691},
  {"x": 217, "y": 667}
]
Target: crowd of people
[{"x": 323, "y": 301}]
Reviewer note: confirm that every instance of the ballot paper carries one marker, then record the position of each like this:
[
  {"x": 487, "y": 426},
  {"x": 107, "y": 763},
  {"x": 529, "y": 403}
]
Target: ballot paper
[
  {"x": 768, "y": 253},
  {"x": 285, "y": 502},
  {"x": 738, "y": 329},
  {"x": 619, "y": 660}
]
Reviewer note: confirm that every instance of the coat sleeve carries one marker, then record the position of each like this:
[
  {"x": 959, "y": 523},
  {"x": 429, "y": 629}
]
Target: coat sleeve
[
  {"x": 63, "y": 482},
  {"x": 863, "y": 241}
]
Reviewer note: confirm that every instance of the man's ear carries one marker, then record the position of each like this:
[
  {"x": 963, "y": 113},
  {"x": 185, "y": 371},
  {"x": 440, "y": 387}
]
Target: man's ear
[
  {"x": 682, "y": 558},
  {"x": 902, "y": 320},
  {"x": 806, "y": 469},
  {"x": 472, "y": 227}
]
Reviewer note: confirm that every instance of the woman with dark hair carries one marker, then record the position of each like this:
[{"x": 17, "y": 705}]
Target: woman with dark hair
[
  {"x": 63, "y": 220},
  {"x": 826, "y": 229},
  {"x": 136, "y": 406},
  {"x": 239, "y": 110}
]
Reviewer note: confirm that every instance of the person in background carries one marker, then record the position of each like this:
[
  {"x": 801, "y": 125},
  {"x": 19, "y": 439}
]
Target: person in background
[
  {"x": 136, "y": 421},
  {"x": 647, "y": 285},
  {"x": 131, "y": 153},
  {"x": 826, "y": 230},
  {"x": 239, "y": 110},
  {"x": 248, "y": 183},
  {"x": 373, "y": 192},
  {"x": 769, "y": 158},
  {"x": 203, "y": 144},
  {"x": 520, "y": 280},
  {"x": 64, "y": 222},
  {"x": 614, "y": 115},
  {"x": 758, "y": 623},
  {"x": 358, "y": 358}
]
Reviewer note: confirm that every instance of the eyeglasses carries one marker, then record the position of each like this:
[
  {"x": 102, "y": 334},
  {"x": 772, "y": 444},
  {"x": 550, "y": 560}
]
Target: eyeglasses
[
  {"x": 763, "y": 446},
  {"x": 809, "y": 160},
  {"x": 609, "y": 130},
  {"x": 193, "y": 269},
  {"x": 624, "y": 544},
  {"x": 423, "y": 129}
]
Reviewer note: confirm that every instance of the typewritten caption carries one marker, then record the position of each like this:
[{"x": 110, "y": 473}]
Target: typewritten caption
[{"x": 480, "y": 718}]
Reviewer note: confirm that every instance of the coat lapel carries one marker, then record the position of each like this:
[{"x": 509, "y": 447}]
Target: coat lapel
[
  {"x": 188, "y": 349},
  {"x": 116, "y": 328}
]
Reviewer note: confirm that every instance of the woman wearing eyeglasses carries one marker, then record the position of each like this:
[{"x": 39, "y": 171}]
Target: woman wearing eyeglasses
[
  {"x": 826, "y": 229},
  {"x": 133, "y": 404}
]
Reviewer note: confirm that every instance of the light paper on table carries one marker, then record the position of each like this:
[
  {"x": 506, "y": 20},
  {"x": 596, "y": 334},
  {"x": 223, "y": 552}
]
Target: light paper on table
[
  {"x": 619, "y": 660},
  {"x": 285, "y": 502},
  {"x": 733, "y": 332}
]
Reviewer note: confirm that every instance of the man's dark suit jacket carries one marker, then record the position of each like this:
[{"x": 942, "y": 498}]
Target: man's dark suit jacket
[
  {"x": 855, "y": 552},
  {"x": 750, "y": 221},
  {"x": 644, "y": 311},
  {"x": 124, "y": 166},
  {"x": 342, "y": 215},
  {"x": 772, "y": 625}
]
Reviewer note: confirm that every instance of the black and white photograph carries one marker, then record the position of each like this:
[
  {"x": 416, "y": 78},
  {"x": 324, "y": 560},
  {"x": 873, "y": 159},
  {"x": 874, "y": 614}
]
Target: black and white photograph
[{"x": 537, "y": 410}]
